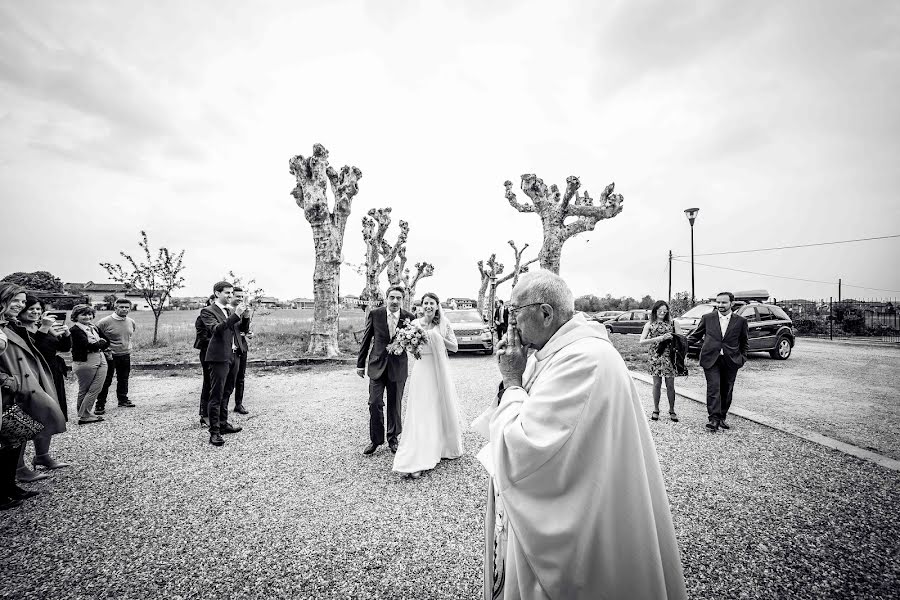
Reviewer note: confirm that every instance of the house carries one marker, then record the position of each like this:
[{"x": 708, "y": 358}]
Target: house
[
  {"x": 303, "y": 303},
  {"x": 268, "y": 302},
  {"x": 97, "y": 293},
  {"x": 462, "y": 302},
  {"x": 350, "y": 302}
]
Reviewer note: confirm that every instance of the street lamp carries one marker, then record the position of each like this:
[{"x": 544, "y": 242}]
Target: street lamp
[{"x": 691, "y": 214}]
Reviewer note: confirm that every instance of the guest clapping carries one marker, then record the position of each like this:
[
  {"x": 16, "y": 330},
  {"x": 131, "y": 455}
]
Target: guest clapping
[{"x": 88, "y": 361}]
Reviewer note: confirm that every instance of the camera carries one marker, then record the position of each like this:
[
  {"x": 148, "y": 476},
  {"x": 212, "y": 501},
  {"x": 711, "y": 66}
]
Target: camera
[{"x": 59, "y": 314}]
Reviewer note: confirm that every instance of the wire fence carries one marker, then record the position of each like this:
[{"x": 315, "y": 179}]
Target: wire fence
[{"x": 843, "y": 319}]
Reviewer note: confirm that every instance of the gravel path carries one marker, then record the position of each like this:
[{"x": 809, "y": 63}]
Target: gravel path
[{"x": 289, "y": 508}]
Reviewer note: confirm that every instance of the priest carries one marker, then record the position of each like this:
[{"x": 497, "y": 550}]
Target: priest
[{"x": 577, "y": 506}]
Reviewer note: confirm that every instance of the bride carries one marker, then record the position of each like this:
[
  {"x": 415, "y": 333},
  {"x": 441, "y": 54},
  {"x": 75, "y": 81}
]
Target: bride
[{"x": 431, "y": 430}]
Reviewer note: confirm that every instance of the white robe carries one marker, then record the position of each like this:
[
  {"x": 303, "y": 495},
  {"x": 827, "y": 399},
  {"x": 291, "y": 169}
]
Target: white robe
[{"x": 576, "y": 469}]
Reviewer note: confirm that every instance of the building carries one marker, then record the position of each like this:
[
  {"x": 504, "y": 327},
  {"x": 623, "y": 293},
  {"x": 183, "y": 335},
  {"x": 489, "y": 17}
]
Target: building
[
  {"x": 98, "y": 292},
  {"x": 303, "y": 303}
]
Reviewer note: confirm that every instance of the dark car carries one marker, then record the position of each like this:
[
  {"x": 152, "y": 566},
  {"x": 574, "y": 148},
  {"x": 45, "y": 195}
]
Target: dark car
[
  {"x": 606, "y": 315},
  {"x": 630, "y": 321},
  {"x": 471, "y": 331},
  {"x": 770, "y": 328}
]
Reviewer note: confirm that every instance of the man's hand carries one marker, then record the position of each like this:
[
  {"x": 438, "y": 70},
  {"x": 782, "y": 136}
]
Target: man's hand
[
  {"x": 240, "y": 309},
  {"x": 511, "y": 358},
  {"x": 361, "y": 372}
]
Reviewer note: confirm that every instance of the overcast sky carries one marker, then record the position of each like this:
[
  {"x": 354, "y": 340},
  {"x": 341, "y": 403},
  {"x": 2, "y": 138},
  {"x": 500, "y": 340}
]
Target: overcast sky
[{"x": 778, "y": 120}]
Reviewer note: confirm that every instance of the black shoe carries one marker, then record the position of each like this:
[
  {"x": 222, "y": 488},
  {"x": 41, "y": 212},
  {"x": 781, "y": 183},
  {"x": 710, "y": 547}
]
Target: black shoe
[
  {"x": 241, "y": 410},
  {"x": 216, "y": 440},
  {"x": 204, "y": 421},
  {"x": 393, "y": 447},
  {"x": 20, "y": 494},
  {"x": 99, "y": 410},
  {"x": 724, "y": 425},
  {"x": 370, "y": 449},
  {"x": 228, "y": 428},
  {"x": 127, "y": 404},
  {"x": 712, "y": 426},
  {"x": 6, "y": 502}
]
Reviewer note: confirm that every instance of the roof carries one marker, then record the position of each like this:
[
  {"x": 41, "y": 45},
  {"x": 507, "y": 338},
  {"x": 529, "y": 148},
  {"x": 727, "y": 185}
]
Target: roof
[{"x": 268, "y": 299}]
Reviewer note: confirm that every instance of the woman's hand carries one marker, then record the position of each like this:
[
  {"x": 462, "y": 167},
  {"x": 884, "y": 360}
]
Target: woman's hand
[{"x": 667, "y": 336}]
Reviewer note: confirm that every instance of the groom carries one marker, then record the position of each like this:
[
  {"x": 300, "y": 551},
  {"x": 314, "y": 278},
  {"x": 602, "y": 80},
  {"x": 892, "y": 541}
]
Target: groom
[{"x": 386, "y": 371}]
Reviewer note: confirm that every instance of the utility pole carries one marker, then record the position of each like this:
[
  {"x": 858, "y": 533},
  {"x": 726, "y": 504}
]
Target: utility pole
[
  {"x": 839, "y": 289},
  {"x": 670, "y": 277}
]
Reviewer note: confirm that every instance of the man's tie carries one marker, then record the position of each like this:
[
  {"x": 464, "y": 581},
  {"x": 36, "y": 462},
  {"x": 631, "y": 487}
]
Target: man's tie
[{"x": 392, "y": 323}]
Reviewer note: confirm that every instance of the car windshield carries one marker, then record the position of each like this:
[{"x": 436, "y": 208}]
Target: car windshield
[
  {"x": 464, "y": 316},
  {"x": 698, "y": 311}
]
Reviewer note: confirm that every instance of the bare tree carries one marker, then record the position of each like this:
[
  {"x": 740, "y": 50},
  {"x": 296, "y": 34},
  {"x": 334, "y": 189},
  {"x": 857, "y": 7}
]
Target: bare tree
[
  {"x": 398, "y": 274},
  {"x": 155, "y": 279},
  {"x": 555, "y": 210},
  {"x": 519, "y": 267},
  {"x": 487, "y": 271},
  {"x": 379, "y": 254},
  {"x": 313, "y": 176},
  {"x": 423, "y": 270}
]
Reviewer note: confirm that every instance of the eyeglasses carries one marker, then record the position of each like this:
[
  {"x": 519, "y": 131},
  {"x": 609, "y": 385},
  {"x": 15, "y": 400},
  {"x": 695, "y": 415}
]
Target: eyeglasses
[{"x": 513, "y": 309}]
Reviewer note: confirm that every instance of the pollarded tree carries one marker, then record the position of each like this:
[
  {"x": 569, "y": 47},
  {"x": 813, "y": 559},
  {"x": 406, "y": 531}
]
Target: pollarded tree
[
  {"x": 491, "y": 269},
  {"x": 554, "y": 210},
  {"x": 313, "y": 176},
  {"x": 398, "y": 274},
  {"x": 519, "y": 267},
  {"x": 378, "y": 259},
  {"x": 155, "y": 279}
]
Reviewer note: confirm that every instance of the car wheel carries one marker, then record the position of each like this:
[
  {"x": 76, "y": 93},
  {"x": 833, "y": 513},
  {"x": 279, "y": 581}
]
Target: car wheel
[{"x": 782, "y": 349}]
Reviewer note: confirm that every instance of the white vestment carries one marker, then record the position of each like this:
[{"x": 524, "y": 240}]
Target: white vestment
[{"x": 578, "y": 478}]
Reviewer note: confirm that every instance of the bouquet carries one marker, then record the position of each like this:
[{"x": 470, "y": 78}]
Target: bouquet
[{"x": 409, "y": 338}]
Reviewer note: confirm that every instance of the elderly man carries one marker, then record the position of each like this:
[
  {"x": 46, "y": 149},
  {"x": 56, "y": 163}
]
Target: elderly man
[{"x": 583, "y": 505}]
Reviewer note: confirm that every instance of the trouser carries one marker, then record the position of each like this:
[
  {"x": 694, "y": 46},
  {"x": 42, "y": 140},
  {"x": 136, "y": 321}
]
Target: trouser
[
  {"x": 120, "y": 366},
  {"x": 394, "y": 389},
  {"x": 91, "y": 374},
  {"x": 204, "y": 389},
  {"x": 221, "y": 383},
  {"x": 9, "y": 456},
  {"x": 239, "y": 378},
  {"x": 719, "y": 387}
]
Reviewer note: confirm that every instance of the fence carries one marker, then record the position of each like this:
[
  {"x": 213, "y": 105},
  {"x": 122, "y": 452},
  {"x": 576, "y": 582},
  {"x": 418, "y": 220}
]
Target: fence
[{"x": 878, "y": 319}]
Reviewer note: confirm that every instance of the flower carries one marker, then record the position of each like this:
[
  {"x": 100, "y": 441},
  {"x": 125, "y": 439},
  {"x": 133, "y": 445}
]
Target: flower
[{"x": 408, "y": 338}]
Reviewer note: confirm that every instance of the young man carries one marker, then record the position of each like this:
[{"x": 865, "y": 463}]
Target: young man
[
  {"x": 201, "y": 341},
  {"x": 241, "y": 358},
  {"x": 119, "y": 329},
  {"x": 221, "y": 324},
  {"x": 725, "y": 338}
]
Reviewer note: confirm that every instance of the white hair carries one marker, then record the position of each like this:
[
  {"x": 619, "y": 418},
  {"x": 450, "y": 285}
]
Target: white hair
[{"x": 549, "y": 288}]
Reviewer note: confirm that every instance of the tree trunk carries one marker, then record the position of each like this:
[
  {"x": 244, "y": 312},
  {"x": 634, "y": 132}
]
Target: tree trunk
[
  {"x": 551, "y": 251},
  {"x": 155, "y": 326},
  {"x": 482, "y": 293},
  {"x": 323, "y": 338}
]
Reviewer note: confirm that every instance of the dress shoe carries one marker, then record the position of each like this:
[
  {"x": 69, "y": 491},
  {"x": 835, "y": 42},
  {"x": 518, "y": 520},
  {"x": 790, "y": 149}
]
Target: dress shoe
[
  {"x": 99, "y": 410},
  {"x": 204, "y": 421},
  {"x": 26, "y": 475},
  {"x": 724, "y": 425},
  {"x": 370, "y": 449},
  {"x": 6, "y": 502},
  {"x": 229, "y": 428},
  {"x": 241, "y": 410},
  {"x": 216, "y": 440},
  {"x": 89, "y": 419},
  {"x": 393, "y": 448},
  {"x": 20, "y": 494},
  {"x": 48, "y": 462},
  {"x": 127, "y": 404},
  {"x": 712, "y": 425},
  {"x": 415, "y": 475}
]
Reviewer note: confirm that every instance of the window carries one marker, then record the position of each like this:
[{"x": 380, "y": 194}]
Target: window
[
  {"x": 624, "y": 317},
  {"x": 641, "y": 316},
  {"x": 749, "y": 313},
  {"x": 765, "y": 314},
  {"x": 779, "y": 314}
]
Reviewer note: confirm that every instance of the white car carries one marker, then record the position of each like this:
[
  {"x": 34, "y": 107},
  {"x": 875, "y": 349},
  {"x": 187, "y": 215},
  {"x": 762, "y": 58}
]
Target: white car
[{"x": 472, "y": 333}]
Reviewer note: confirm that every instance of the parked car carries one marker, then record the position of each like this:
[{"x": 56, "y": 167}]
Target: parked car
[
  {"x": 472, "y": 333},
  {"x": 630, "y": 321},
  {"x": 606, "y": 315},
  {"x": 770, "y": 328}
]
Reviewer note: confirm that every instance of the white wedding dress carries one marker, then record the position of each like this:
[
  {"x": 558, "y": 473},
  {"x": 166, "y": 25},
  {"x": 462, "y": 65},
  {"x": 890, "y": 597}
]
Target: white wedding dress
[{"x": 431, "y": 430}]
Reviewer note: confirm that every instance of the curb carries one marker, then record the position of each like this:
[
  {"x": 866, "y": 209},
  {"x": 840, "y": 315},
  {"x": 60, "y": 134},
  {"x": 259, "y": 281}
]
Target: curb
[
  {"x": 284, "y": 362},
  {"x": 806, "y": 434}
]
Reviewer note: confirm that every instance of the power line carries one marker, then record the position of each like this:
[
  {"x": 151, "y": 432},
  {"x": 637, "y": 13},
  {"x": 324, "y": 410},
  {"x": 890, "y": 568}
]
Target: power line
[
  {"x": 862, "y": 287},
  {"x": 883, "y": 237}
]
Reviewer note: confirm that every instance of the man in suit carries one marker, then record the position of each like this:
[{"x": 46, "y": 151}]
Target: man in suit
[
  {"x": 201, "y": 341},
  {"x": 221, "y": 324},
  {"x": 725, "y": 338},
  {"x": 241, "y": 358},
  {"x": 501, "y": 319},
  {"x": 387, "y": 372}
]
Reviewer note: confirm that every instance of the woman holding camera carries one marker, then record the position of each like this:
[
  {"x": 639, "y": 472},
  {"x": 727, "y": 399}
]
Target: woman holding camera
[
  {"x": 36, "y": 392},
  {"x": 88, "y": 361},
  {"x": 50, "y": 336}
]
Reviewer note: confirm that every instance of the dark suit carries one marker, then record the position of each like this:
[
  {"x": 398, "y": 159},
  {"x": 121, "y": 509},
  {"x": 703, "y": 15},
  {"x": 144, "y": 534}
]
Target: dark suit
[
  {"x": 201, "y": 341},
  {"x": 220, "y": 358},
  {"x": 386, "y": 372},
  {"x": 241, "y": 341},
  {"x": 721, "y": 357},
  {"x": 501, "y": 321}
]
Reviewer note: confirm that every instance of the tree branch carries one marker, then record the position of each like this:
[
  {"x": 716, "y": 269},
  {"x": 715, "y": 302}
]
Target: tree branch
[{"x": 511, "y": 196}]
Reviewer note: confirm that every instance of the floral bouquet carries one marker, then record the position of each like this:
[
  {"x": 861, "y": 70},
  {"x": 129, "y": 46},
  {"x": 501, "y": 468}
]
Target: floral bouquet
[{"x": 409, "y": 338}]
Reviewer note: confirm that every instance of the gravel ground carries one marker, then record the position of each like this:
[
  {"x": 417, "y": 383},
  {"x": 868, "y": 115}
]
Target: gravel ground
[{"x": 289, "y": 508}]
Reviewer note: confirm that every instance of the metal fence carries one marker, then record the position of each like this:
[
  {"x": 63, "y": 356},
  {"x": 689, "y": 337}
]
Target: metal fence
[{"x": 842, "y": 319}]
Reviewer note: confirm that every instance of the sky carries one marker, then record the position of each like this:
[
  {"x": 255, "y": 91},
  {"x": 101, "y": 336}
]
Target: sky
[{"x": 778, "y": 120}]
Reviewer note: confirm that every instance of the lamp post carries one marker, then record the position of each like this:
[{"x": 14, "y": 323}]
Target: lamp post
[{"x": 691, "y": 214}]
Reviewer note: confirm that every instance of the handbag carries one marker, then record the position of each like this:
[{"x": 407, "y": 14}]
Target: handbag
[{"x": 18, "y": 427}]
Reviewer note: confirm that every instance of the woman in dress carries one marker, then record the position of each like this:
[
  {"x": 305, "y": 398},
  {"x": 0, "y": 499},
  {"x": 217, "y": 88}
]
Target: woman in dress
[
  {"x": 657, "y": 330},
  {"x": 431, "y": 430},
  {"x": 88, "y": 361}
]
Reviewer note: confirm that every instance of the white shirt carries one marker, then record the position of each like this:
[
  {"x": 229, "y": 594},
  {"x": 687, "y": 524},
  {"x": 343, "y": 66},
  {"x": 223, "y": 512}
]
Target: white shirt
[
  {"x": 723, "y": 323},
  {"x": 393, "y": 318},
  {"x": 223, "y": 307}
]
